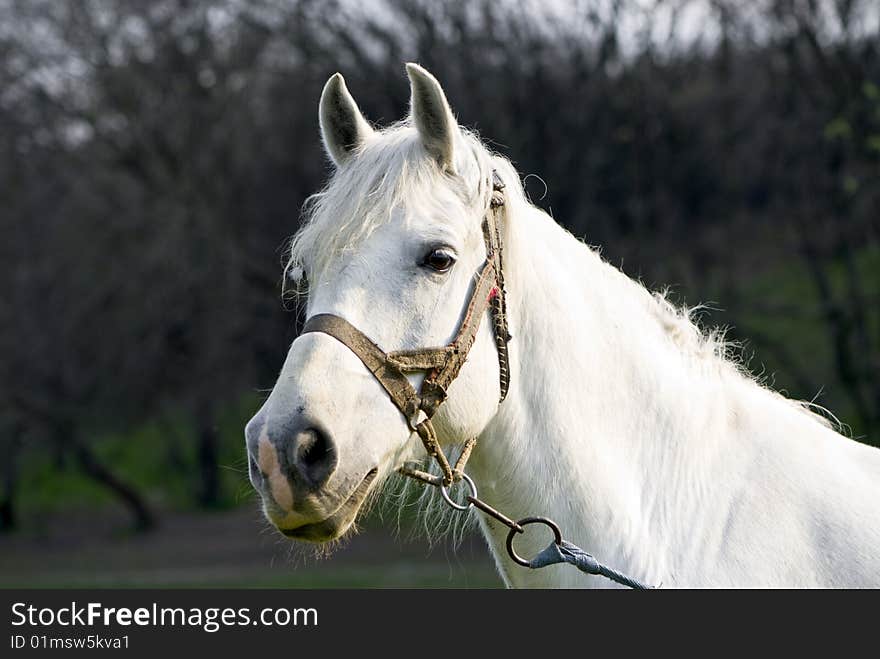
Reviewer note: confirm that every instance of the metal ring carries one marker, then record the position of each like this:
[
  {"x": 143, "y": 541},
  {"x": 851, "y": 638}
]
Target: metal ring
[
  {"x": 452, "y": 503},
  {"x": 525, "y": 521}
]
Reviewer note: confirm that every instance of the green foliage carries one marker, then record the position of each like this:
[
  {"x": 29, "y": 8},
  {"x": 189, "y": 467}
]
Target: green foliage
[
  {"x": 804, "y": 333},
  {"x": 157, "y": 457},
  {"x": 838, "y": 129}
]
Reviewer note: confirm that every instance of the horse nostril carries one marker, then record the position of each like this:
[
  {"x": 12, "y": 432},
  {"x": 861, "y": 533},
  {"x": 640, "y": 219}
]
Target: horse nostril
[{"x": 315, "y": 455}]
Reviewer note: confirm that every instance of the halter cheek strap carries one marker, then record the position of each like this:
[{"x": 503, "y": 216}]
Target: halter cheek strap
[{"x": 441, "y": 365}]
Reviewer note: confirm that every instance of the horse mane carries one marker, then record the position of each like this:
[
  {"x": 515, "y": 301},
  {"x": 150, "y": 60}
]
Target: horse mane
[
  {"x": 711, "y": 346},
  {"x": 389, "y": 172}
]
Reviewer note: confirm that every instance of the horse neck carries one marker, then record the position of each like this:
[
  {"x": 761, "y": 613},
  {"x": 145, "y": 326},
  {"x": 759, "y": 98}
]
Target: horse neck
[{"x": 604, "y": 429}]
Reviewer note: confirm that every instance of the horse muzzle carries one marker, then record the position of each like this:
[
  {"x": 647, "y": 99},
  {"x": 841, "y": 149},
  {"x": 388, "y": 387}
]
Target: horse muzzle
[
  {"x": 338, "y": 522},
  {"x": 294, "y": 467}
]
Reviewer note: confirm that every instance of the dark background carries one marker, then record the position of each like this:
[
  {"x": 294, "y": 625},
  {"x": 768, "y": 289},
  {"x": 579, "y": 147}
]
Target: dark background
[{"x": 154, "y": 157}]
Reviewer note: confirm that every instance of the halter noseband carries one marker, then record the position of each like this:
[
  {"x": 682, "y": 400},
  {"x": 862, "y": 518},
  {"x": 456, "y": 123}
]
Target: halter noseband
[{"x": 442, "y": 365}]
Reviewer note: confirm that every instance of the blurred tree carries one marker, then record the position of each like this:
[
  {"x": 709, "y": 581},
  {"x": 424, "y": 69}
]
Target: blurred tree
[{"x": 154, "y": 157}]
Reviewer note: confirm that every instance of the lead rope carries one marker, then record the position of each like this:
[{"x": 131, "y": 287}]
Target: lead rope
[{"x": 558, "y": 551}]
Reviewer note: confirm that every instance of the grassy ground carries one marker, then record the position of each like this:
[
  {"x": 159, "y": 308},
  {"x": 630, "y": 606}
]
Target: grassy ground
[
  {"x": 73, "y": 533},
  {"x": 227, "y": 549}
]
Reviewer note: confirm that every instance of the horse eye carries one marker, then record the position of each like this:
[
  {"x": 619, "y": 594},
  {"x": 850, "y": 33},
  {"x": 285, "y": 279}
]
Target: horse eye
[{"x": 439, "y": 259}]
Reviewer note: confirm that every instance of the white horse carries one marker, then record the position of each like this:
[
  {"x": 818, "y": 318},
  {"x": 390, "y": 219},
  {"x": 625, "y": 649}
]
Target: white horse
[{"x": 624, "y": 422}]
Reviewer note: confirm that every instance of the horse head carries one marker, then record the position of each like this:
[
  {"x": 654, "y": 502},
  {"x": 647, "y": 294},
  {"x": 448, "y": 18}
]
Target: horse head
[{"x": 392, "y": 245}]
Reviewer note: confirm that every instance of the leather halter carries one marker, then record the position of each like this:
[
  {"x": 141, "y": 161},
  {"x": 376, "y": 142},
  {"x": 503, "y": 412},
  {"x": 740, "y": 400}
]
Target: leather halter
[{"x": 441, "y": 365}]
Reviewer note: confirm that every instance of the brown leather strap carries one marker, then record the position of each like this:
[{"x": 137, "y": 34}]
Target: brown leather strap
[
  {"x": 429, "y": 439},
  {"x": 411, "y": 361},
  {"x": 374, "y": 358},
  {"x": 492, "y": 230},
  {"x": 436, "y": 384}
]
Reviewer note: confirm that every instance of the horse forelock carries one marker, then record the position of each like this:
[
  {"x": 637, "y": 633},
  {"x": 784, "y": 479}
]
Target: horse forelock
[{"x": 389, "y": 172}]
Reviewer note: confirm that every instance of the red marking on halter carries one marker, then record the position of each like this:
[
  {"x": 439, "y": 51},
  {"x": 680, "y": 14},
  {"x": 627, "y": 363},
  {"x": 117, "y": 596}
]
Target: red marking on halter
[{"x": 493, "y": 293}]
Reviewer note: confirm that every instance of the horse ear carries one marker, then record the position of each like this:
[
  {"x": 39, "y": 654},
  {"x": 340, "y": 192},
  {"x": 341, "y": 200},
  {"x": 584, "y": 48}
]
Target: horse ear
[
  {"x": 343, "y": 127},
  {"x": 432, "y": 115}
]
